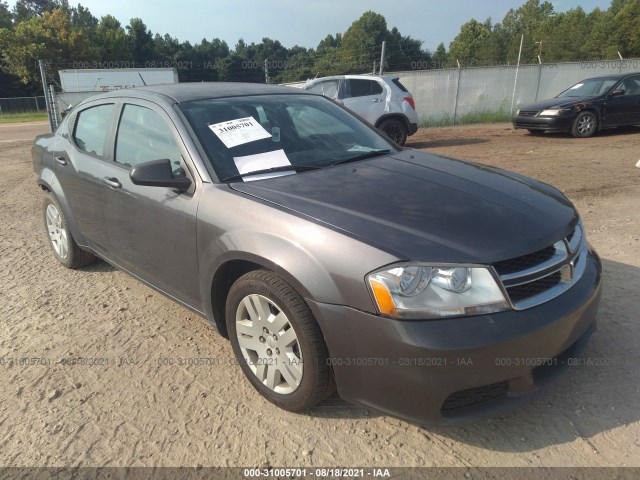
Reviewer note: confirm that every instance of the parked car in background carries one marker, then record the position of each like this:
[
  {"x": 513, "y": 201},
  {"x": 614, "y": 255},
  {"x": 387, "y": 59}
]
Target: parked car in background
[
  {"x": 429, "y": 288},
  {"x": 383, "y": 101},
  {"x": 586, "y": 107}
]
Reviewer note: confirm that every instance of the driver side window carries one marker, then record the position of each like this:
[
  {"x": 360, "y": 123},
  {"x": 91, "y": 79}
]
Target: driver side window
[{"x": 143, "y": 135}]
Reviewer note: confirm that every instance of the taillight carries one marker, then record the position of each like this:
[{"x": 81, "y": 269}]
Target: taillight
[{"x": 409, "y": 100}]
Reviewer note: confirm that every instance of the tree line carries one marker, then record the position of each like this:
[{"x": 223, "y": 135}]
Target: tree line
[{"x": 71, "y": 37}]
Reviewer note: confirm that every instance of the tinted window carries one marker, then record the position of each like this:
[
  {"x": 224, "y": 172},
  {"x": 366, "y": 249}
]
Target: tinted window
[
  {"x": 143, "y": 135},
  {"x": 361, "y": 88},
  {"x": 92, "y": 127},
  {"x": 631, "y": 86}
]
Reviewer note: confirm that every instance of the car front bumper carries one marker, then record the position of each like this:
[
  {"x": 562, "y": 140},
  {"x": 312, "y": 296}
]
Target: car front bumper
[
  {"x": 439, "y": 372},
  {"x": 561, "y": 123}
]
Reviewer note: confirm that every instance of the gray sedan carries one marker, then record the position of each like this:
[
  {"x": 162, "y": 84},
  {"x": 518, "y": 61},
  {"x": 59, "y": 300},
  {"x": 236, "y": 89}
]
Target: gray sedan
[{"x": 429, "y": 288}]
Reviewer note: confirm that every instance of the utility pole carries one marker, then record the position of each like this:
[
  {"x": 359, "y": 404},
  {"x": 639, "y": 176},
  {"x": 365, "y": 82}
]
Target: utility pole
[{"x": 384, "y": 50}]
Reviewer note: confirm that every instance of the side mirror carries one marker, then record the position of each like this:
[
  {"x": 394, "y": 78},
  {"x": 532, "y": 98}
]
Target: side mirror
[
  {"x": 158, "y": 173},
  {"x": 616, "y": 93}
]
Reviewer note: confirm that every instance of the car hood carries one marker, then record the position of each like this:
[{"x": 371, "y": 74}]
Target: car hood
[
  {"x": 558, "y": 103},
  {"x": 424, "y": 207}
]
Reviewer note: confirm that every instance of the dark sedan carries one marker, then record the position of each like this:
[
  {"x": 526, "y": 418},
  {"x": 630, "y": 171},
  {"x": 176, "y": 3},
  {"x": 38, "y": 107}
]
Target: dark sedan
[
  {"x": 586, "y": 107},
  {"x": 429, "y": 288}
]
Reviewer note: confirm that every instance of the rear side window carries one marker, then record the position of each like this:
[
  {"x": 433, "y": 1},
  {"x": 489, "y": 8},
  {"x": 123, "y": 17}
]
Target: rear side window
[
  {"x": 328, "y": 88},
  {"x": 143, "y": 135},
  {"x": 92, "y": 128},
  {"x": 362, "y": 88},
  {"x": 400, "y": 85}
]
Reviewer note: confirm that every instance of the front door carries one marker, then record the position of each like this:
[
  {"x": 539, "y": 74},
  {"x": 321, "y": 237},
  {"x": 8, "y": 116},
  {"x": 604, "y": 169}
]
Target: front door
[{"x": 152, "y": 230}]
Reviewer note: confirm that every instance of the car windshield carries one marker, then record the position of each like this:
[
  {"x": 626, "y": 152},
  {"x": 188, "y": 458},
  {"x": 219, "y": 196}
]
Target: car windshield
[
  {"x": 279, "y": 135},
  {"x": 589, "y": 88}
]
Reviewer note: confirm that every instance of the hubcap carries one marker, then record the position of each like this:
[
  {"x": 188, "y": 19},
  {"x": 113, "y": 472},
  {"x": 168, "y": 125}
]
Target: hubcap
[
  {"x": 57, "y": 233},
  {"x": 269, "y": 344},
  {"x": 586, "y": 125}
]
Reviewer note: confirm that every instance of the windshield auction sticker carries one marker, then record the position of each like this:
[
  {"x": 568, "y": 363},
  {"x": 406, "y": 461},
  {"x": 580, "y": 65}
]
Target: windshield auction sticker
[
  {"x": 262, "y": 161},
  {"x": 239, "y": 131}
]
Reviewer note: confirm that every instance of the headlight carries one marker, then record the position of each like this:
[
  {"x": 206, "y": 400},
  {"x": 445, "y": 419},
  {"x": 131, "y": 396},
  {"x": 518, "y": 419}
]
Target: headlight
[
  {"x": 425, "y": 291},
  {"x": 553, "y": 112}
]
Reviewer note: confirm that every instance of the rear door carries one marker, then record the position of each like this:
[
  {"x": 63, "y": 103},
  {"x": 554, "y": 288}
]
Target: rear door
[
  {"x": 365, "y": 97},
  {"x": 79, "y": 158},
  {"x": 151, "y": 230}
]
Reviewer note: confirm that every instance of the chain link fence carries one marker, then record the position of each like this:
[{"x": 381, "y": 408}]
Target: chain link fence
[
  {"x": 473, "y": 95},
  {"x": 22, "y": 105}
]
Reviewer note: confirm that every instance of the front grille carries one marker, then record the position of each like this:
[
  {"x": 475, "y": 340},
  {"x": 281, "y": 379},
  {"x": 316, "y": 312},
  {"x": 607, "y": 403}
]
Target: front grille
[
  {"x": 473, "y": 397},
  {"x": 528, "y": 113},
  {"x": 525, "y": 262},
  {"x": 528, "y": 290},
  {"x": 540, "y": 276}
]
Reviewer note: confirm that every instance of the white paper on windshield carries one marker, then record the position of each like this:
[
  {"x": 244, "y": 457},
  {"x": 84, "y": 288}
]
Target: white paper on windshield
[
  {"x": 260, "y": 161},
  {"x": 239, "y": 131}
]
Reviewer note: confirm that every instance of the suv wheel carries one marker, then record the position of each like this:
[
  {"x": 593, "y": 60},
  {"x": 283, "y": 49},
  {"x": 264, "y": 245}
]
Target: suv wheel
[
  {"x": 395, "y": 129},
  {"x": 277, "y": 341}
]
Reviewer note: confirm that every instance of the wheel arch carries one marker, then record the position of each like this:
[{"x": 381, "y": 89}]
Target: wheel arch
[
  {"x": 395, "y": 116},
  {"x": 230, "y": 268}
]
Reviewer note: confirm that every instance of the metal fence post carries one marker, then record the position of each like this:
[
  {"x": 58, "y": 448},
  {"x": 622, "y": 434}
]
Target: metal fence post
[
  {"x": 455, "y": 105},
  {"x": 538, "y": 84},
  {"x": 47, "y": 101}
]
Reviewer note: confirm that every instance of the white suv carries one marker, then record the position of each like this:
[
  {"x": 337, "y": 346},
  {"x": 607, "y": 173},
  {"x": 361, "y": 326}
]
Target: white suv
[{"x": 382, "y": 101}]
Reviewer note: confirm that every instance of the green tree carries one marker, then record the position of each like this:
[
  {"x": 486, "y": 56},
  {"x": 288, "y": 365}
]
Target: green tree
[
  {"x": 362, "y": 42},
  {"x": 112, "y": 40},
  {"x": 140, "y": 41},
  {"x": 469, "y": 46},
  {"x": 27, "y": 9},
  {"x": 51, "y": 36},
  {"x": 440, "y": 56},
  {"x": 627, "y": 20},
  {"x": 6, "y": 18}
]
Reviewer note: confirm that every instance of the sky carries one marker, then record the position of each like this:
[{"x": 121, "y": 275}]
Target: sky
[{"x": 305, "y": 23}]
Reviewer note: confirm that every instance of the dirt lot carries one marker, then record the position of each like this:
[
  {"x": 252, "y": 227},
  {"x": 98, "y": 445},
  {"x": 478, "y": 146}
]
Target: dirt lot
[{"x": 128, "y": 409}]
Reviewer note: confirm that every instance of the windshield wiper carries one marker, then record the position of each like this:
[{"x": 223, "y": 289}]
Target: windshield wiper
[
  {"x": 281, "y": 168},
  {"x": 362, "y": 156}
]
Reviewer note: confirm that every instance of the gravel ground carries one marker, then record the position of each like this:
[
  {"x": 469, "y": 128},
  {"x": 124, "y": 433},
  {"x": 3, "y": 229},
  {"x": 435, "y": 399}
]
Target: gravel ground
[{"x": 123, "y": 406}]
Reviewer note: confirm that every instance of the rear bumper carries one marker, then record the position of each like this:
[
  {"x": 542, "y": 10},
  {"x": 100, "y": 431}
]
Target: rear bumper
[{"x": 456, "y": 370}]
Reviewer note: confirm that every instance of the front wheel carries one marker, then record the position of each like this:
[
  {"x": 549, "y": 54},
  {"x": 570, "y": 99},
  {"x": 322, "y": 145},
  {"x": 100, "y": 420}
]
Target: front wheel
[
  {"x": 277, "y": 341},
  {"x": 395, "y": 129},
  {"x": 584, "y": 125},
  {"x": 64, "y": 247}
]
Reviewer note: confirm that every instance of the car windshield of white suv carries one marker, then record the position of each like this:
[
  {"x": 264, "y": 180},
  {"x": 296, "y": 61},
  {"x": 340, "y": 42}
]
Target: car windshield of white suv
[
  {"x": 256, "y": 137},
  {"x": 589, "y": 88}
]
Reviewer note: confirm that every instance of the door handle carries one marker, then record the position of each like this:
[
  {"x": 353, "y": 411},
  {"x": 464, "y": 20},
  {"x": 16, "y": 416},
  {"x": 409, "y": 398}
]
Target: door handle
[
  {"x": 376, "y": 100},
  {"x": 61, "y": 161},
  {"x": 112, "y": 182}
]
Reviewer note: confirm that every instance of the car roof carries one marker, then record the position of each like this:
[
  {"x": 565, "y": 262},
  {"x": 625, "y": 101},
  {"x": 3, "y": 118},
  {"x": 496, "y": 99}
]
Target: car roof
[
  {"x": 364, "y": 77},
  {"x": 187, "y": 92},
  {"x": 616, "y": 76}
]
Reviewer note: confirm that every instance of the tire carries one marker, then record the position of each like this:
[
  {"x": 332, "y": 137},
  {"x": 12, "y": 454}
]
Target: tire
[
  {"x": 283, "y": 355},
  {"x": 535, "y": 132},
  {"x": 62, "y": 243},
  {"x": 584, "y": 125},
  {"x": 395, "y": 129}
]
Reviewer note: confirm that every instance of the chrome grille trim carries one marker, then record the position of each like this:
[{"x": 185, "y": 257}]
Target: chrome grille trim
[{"x": 549, "y": 278}]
